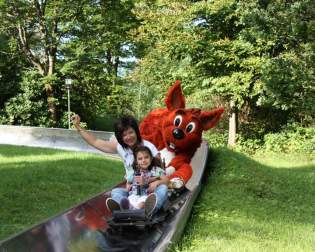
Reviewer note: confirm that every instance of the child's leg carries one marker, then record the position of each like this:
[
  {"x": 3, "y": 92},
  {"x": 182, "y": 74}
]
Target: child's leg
[
  {"x": 118, "y": 194},
  {"x": 124, "y": 203},
  {"x": 161, "y": 194}
]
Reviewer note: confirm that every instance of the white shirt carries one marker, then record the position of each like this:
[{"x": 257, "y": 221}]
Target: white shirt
[{"x": 126, "y": 154}]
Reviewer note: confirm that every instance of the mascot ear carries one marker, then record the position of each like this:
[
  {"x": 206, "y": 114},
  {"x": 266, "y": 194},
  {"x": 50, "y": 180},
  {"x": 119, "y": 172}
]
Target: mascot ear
[
  {"x": 210, "y": 118},
  {"x": 175, "y": 98}
]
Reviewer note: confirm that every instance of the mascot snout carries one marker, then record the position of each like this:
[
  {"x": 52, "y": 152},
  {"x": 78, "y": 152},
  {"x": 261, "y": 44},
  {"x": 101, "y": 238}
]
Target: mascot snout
[{"x": 178, "y": 134}]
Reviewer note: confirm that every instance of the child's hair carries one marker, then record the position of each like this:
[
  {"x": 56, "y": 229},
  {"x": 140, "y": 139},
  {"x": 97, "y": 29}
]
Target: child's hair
[{"x": 154, "y": 162}]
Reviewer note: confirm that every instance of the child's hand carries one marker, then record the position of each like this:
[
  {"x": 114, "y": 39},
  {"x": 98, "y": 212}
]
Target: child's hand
[{"x": 139, "y": 180}]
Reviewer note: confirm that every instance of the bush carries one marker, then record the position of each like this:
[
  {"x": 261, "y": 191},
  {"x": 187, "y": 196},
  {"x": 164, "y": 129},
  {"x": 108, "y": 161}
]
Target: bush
[
  {"x": 249, "y": 145},
  {"x": 29, "y": 107},
  {"x": 104, "y": 123},
  {"x": 216, "y": 138},
  {"x": 293, "y": 138}
]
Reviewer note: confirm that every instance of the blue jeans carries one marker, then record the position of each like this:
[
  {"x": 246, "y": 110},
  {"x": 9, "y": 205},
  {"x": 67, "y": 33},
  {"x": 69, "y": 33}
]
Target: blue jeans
[{"x": 161, "y": 194}]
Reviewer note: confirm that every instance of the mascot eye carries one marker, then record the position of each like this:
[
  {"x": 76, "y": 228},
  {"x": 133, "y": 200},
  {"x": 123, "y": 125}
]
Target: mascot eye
[
  {"x": 178, "y": 120},
  {"x": 190, "y": 127}
]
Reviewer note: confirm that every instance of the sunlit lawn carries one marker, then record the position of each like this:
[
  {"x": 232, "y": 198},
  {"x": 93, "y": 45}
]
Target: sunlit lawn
[
  {"x": 262, "y": 203},
  {"x": 37, "y": 183}
]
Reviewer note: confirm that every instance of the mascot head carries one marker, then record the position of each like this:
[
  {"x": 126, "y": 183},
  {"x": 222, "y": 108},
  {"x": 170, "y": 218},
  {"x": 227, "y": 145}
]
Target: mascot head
[{"x": 182, "y": 128}]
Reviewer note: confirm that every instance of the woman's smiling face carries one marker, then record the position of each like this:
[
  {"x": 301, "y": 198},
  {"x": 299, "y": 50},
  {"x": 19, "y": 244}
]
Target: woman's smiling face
[{"x": 129, "y": 137}]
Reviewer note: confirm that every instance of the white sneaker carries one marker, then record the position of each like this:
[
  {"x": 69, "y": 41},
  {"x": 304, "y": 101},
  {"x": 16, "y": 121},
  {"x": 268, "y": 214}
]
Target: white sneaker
[
  {"x": 112, "y": 205},
  {"x": 150, "y": 204}
]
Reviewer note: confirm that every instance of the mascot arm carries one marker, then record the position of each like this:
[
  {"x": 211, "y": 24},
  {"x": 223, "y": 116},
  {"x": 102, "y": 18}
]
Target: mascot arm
[{"x": 183, "y": 172}]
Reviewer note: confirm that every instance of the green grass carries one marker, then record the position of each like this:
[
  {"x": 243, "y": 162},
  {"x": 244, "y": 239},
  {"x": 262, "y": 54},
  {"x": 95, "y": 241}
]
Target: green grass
[
  {"x": 37, "y": 183},
  {"x": 262, "y": 203}
]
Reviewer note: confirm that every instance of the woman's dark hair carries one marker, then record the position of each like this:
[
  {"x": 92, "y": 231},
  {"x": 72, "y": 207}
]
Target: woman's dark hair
[
  {"x": 155, "y": 161},
  {"x": 123, "y": 124}
]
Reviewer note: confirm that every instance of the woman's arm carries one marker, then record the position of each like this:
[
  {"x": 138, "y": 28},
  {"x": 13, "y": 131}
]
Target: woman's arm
[
  {"x": 163, "y": 180},
  {"x": 102, "y": 145},
  {"x": 152, "y": 179}
]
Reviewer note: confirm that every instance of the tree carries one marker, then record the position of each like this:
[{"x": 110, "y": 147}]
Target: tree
[
  {"x": 40, "y": 27},
  {"x": 96, "y": 57},
  {"x": 235, "y": 53},
  {"x": 11, "y": 63},
  {"x": 86, "y": 40}
]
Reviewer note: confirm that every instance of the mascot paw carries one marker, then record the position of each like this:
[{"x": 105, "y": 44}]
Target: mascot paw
[
  {"x": 169, "y": 170},
  {"x": 176, "y": 183}
]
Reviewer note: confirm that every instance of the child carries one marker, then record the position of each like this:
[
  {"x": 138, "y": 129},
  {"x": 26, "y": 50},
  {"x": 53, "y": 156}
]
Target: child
[{"x": 146, "y": 177}]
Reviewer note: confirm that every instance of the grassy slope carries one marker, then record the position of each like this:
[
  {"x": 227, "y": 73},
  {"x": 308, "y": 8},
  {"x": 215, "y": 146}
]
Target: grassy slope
[
  {"x": 37, "y": 183},
  {"x": 262, "y": 204}
]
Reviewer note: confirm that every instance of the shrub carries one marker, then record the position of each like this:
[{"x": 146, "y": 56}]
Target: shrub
[
  {"x": 249, "y": 145},
  {"x": 216, "y": 138},
  {"x": 105, "y": 122},
  {"x": 292, "y": 138},
  {"x": 29, "y": 107}
]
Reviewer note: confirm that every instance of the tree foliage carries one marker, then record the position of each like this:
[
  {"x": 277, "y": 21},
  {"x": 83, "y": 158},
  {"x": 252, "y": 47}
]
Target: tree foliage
[
  {"x": 39, "y": 27},
  {"x": 123, "y": 55},
  {"x": 11, "y": 64},
  {"x": 257, "y": 54},
  {"x": 84, "y": 40}
]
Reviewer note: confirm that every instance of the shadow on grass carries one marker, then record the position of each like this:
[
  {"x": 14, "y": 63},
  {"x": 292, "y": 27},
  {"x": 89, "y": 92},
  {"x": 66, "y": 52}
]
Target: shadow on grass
[{"x": 31, "y": 192}]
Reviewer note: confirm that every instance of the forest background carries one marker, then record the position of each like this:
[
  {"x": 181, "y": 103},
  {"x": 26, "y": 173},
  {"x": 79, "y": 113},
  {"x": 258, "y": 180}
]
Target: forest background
[{"x": 255, "y": 58}]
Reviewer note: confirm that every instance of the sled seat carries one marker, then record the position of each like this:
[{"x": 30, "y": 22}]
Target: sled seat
[{"x": 138, "y": 218}]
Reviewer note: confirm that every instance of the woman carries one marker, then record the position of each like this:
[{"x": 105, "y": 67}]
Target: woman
[{"x": 128, "y": 138}]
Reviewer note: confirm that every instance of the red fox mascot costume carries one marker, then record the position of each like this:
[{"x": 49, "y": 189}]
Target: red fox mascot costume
[{"x": 177, "y": 132}]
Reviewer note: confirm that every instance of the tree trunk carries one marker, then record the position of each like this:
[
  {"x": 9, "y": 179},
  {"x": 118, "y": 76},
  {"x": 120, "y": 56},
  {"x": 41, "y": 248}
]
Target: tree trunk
[
  {"x": 232, "y": 125},
  {"x": 49, "y": 86},
  {"x": 51, "y": 102}
]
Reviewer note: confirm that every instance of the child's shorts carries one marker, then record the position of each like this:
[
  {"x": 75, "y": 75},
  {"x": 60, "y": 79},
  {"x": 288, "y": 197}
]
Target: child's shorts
[{"x": 136, "y": 200}]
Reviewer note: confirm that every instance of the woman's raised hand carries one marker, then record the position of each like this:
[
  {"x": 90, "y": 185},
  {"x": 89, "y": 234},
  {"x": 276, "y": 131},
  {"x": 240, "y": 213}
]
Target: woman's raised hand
[{"x": 76, "y": 120}]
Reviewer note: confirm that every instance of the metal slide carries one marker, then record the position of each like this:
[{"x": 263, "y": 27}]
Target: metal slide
[{"x": 85, "y": 227}]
